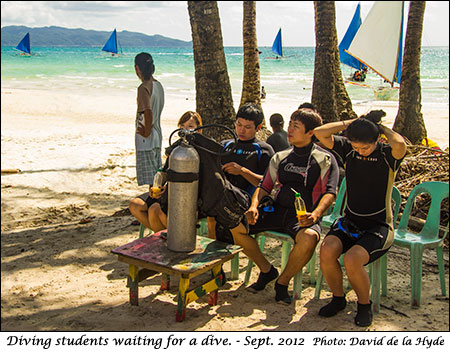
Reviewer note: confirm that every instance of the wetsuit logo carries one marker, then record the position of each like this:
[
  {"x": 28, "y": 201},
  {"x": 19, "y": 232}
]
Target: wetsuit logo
[
  {"x": 367, "y": 159},
  {"x": 290, "y": 167}
]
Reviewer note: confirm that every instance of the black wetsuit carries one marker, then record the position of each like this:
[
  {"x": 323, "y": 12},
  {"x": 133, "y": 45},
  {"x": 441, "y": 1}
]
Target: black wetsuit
[
  {"x": 368, "y": 212},
  {"x": 312, "y": 171}
]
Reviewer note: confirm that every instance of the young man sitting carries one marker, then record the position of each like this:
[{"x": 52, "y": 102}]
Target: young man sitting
[{"x": 307, "y": 169}]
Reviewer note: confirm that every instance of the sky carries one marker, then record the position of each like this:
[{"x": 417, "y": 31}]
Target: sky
[{"x": 171, "y": 18}]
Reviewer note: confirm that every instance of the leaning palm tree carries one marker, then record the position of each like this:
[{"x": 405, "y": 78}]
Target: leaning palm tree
[
  {"x": 409, "y": 121},
  {"x": 214, "y": 101},
  {"x": 328, "y": 93}
]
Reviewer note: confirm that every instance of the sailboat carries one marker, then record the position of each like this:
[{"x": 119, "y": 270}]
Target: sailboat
[
  {"x": 378, "y": 44},
  {"x": 345, "y": 58},
  {"x": 277, "y": 47},
  {"x": 24, "y": 45},
  {"x": 111, "y": 45}
]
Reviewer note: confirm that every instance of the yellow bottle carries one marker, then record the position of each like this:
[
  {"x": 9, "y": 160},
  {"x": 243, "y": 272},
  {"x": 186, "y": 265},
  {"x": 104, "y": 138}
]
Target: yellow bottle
[
  {"x": 300, "y": 206},
  {"x": 157, "y": 182}
]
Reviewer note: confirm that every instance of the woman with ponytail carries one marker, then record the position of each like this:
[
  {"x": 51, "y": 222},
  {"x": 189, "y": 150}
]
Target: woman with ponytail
[
  {"x": 148, "y": 137},
  {"x": 366, "y": 231}
]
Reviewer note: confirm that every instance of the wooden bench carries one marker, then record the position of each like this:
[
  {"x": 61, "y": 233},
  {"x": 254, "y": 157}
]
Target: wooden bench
[{"x": 149, "y": 255}]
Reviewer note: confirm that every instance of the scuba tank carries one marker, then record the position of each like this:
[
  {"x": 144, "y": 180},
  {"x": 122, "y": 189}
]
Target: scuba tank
[{"x": 182, "y": 178}]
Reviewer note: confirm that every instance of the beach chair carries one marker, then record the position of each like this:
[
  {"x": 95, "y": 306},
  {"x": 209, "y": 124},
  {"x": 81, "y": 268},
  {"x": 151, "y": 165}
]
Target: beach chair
[
  {"x": 427, "y": 238},
  {"x": 377, "y": 269},
  {"x": 287, "y": 243},
  {"x": 338, "y": 207}
]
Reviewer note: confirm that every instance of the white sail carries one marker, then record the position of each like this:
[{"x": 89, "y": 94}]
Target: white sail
[{"x": 377, "y": 41}]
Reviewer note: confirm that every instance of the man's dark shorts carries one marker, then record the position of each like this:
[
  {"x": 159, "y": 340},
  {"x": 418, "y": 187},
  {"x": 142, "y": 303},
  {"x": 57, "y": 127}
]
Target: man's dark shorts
[
  {"x": 374, "y": 240},
  {"x": 283, "y": 220},
  {"x": 150, "y": 201}
]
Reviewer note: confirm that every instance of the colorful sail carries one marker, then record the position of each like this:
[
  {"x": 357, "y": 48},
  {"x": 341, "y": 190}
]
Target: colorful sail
[
  {"x": 347, "y": 40},
  {"x": 379, "y": 41},
  {"x": 24, "y": 44},
  {"x": 277, "y": 46},
  {"x": 111, "y": 44}
]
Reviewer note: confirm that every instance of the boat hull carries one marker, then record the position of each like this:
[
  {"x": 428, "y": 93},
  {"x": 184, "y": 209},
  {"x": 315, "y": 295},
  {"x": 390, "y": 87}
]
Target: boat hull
[{"x": 386, "y": 94}]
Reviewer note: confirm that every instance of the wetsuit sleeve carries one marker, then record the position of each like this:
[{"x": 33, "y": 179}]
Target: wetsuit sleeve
[
  {"x": 393, "y": 163},
  {"x": 333, "y": 177},
  {"x": 270, "y": 176},
  {"x": 267, "y": 153},
  {"x": 341, "y": 146}
]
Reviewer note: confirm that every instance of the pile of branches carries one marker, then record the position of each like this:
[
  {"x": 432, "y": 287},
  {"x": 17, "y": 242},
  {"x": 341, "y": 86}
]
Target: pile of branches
[{"x": 423, "y": 164}]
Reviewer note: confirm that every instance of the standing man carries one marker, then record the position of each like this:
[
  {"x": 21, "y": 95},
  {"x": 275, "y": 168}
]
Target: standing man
[
  {"x": 307, "y": 169},
  {"x": 278, "y": 140}
]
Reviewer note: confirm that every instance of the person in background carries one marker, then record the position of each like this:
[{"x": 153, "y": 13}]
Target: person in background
[
  {"x": 309, "y": 170},
  {"x": 146, "y": 207},
  {"x": 263, "y": 93},
  {"x": 148, "y": 137},
  {"x": 366, "y": 231},
  {"x": 278, "y": 140}
]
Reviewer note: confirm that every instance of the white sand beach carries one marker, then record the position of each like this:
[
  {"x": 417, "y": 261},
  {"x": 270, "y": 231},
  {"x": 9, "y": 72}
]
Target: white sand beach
[{"x": 76, "y": 154}]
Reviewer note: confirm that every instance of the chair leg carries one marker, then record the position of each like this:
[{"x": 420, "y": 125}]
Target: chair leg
[
  {"x": 375, "y": 287},
  {"x": 235, "y": 267},
  {"x": 141, "y": 231},
  {"x": 311, "y": 267},
  {"x": 298, "y": 278},
  {"x": 248, "y": 271},
  {"x": 416, "y": 274},
  {"x": 285, "y": 250},
  {"x": 319, "y": 282},
  {"x": 440, "y": 258},
  {"x": 383, "y": 269}
]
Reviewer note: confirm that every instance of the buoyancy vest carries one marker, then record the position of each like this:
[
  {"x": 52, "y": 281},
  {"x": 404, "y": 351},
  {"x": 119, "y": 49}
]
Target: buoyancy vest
[{"x": 217, "y": 197}]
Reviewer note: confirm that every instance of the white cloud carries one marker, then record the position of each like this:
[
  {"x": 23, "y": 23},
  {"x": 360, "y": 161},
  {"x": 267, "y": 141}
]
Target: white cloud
[{"x": 171, "y": 19}]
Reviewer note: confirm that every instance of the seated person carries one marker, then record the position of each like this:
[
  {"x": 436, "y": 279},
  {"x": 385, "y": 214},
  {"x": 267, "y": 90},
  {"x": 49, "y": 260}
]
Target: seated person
[
  {"x": 366, "y": 231},
  {"x": 146, "y": 207},
  {"x": 248, "y": 160},
  {"x": 307, "y": 169},
  {"x": 278, "y": 140}
]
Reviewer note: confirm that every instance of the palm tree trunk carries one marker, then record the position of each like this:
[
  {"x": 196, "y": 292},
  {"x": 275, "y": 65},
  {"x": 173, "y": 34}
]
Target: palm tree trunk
[
  {"x": 251, "y": 85},
  {"x": 214, "y": 101},
  {"x": 409, "y": 121},
  {"x": 328, "y": 93}
]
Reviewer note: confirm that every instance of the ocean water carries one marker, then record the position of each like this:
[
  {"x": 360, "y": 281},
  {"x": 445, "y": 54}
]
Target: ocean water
[
  {"x": 86, "y": 103},
  {"x": 287, "y": 79}
]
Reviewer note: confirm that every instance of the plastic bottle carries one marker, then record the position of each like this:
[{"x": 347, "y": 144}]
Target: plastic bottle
[
  {"x": 300, "y": 206},
  {"x": 157, "y": 182}
]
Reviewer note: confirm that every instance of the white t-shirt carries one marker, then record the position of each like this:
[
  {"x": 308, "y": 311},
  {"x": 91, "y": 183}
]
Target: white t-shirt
[{"x": 147, "y": 95}]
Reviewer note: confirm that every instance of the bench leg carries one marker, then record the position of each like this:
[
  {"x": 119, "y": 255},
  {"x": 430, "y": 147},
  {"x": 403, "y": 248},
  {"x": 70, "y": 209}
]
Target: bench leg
[
  {"x": 181, "y": 306},
  {"x": 133, "y": 284},
  {"x": 214, "y": 295},
  {"x": 165, "y": 282}
]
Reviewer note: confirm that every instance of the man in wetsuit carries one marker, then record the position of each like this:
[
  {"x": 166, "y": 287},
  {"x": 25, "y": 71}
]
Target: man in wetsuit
[
  {"x": 307, "y": 169},
  {"x": 366, "y": 231},
  {"x": 247, "y": 162}
]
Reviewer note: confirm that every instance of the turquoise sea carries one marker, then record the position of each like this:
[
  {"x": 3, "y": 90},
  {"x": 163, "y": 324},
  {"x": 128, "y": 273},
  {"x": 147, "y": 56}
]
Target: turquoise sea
[{"x": 289, "y": 78}]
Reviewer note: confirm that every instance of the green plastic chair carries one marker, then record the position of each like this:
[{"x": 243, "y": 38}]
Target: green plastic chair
[
  {"x": 287, "y": 243},
  {"x": 427, "y": 238},
  {"x": 377, "y": 269},
  {"x": 338, "y": 207}
]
